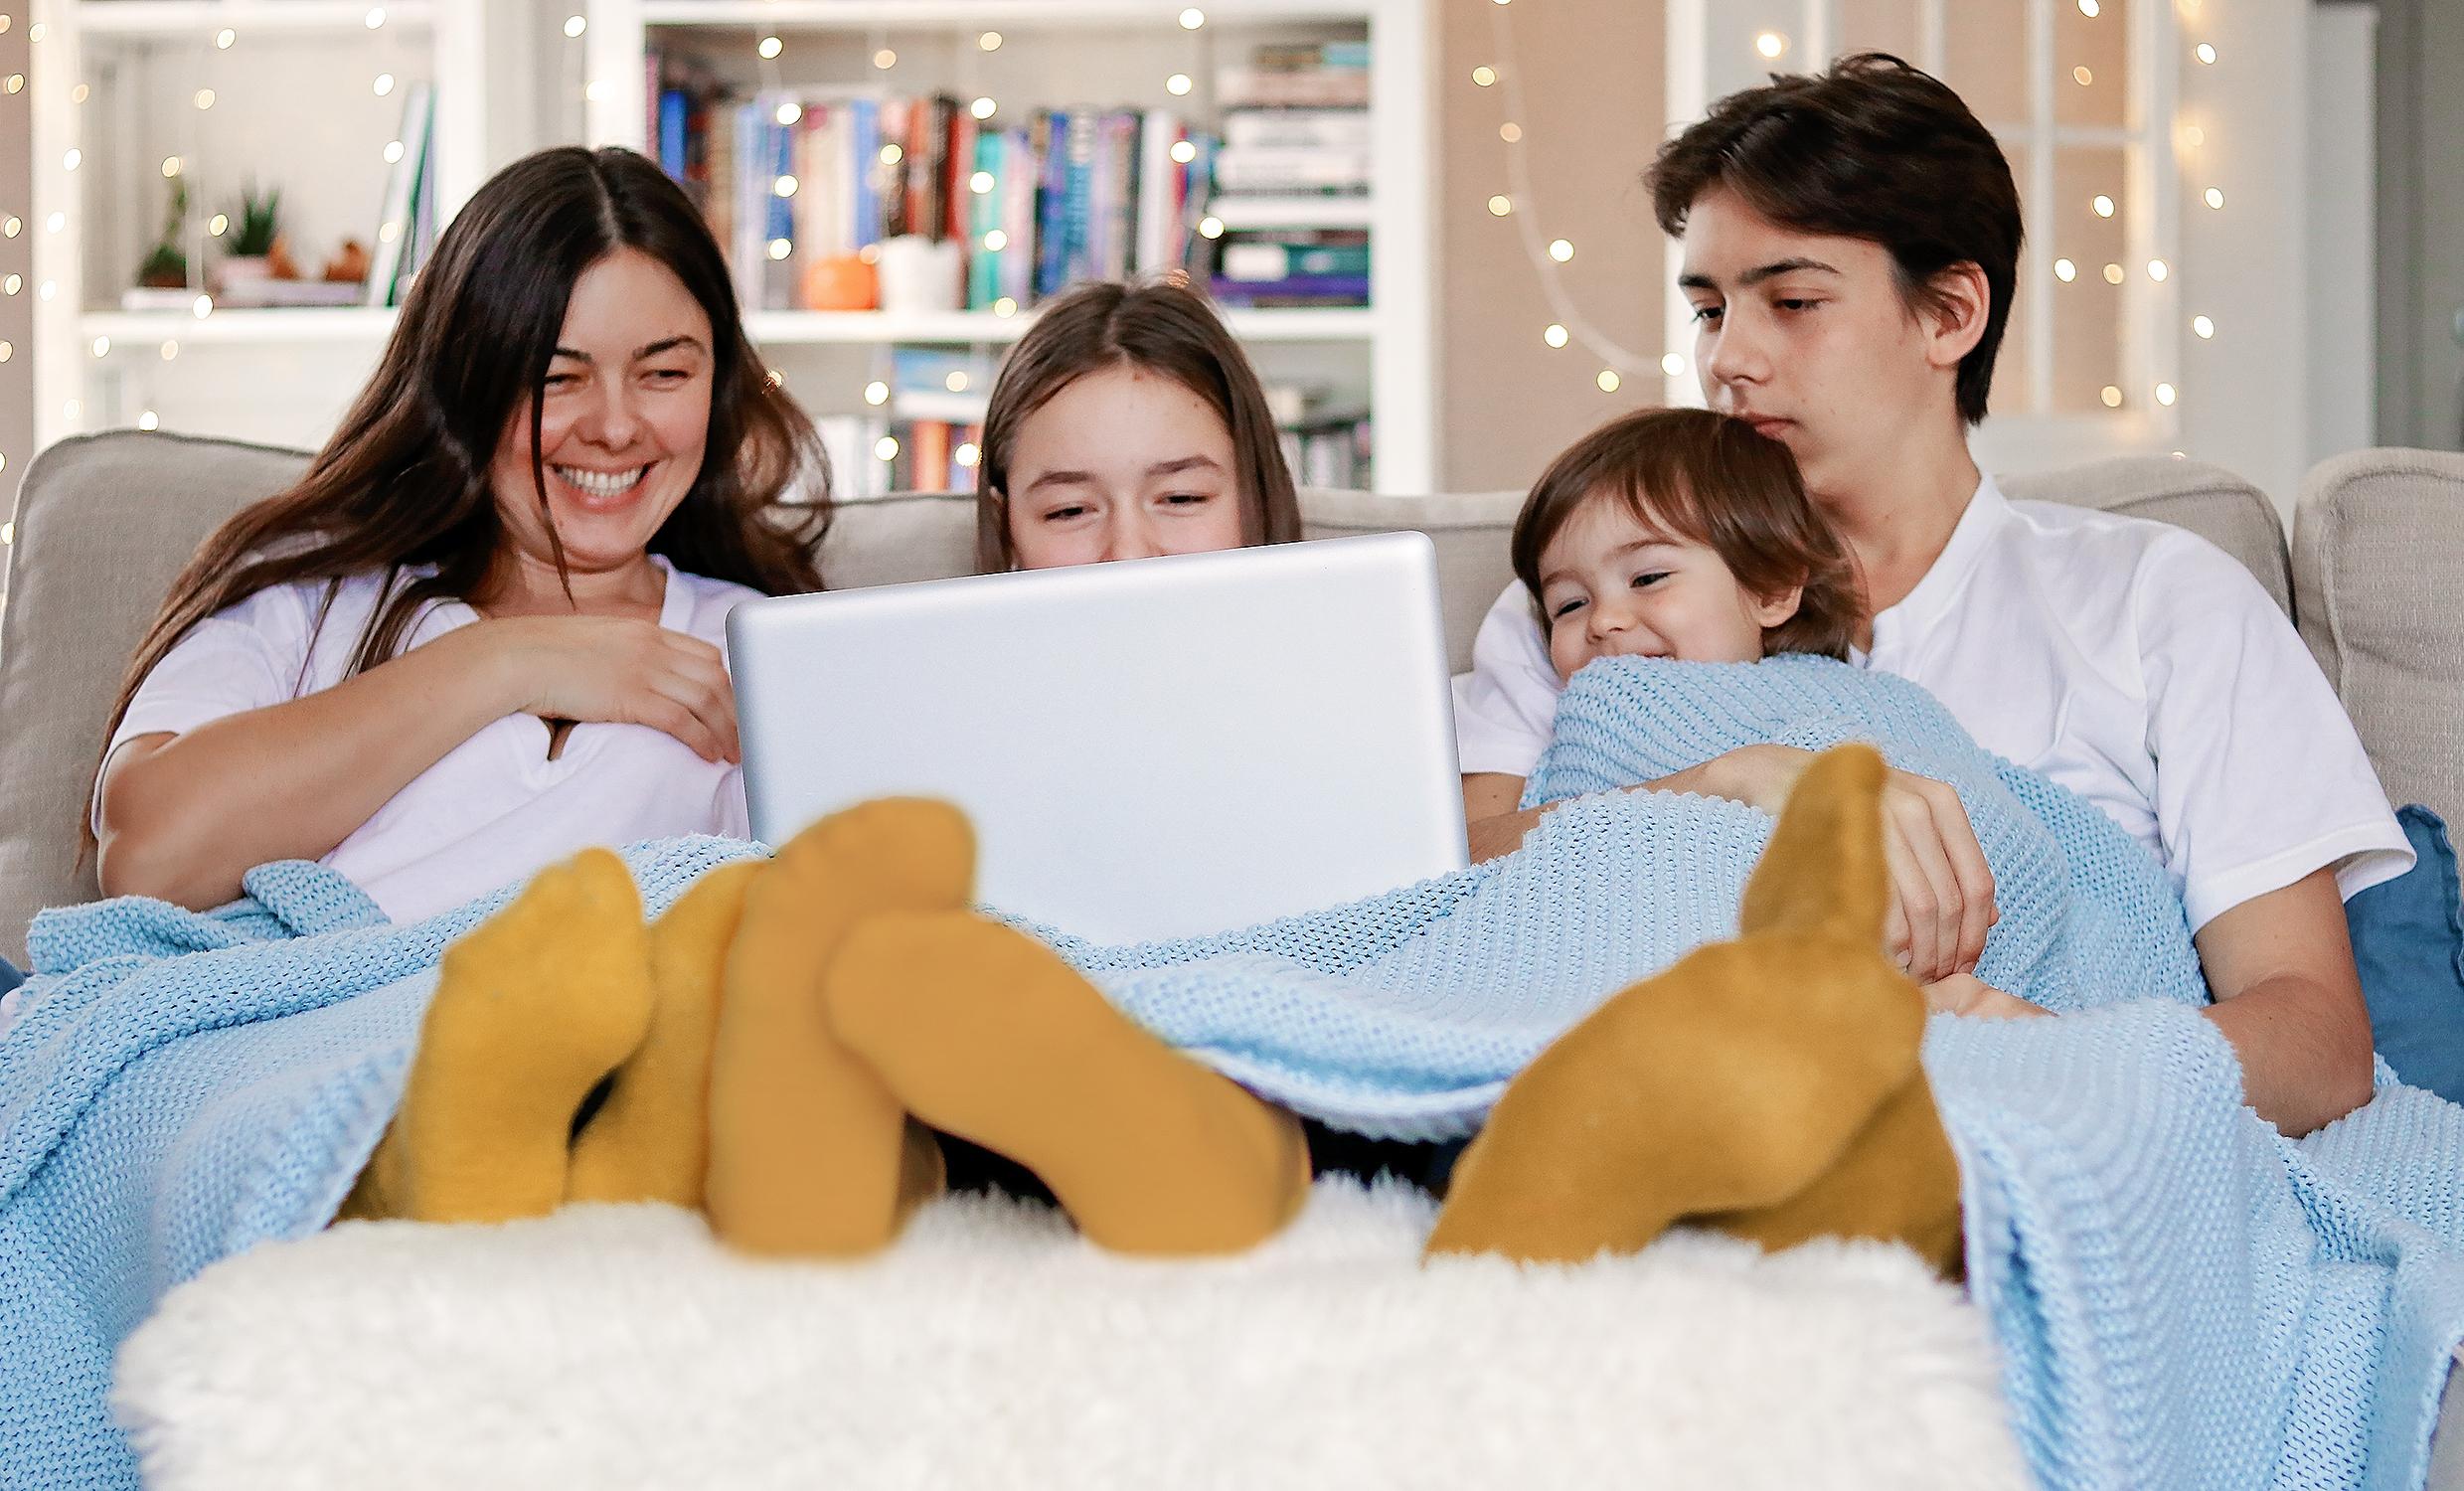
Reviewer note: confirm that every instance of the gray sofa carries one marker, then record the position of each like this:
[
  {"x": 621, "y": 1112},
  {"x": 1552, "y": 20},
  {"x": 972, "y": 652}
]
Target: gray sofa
[{"x": 105, "y": 522}]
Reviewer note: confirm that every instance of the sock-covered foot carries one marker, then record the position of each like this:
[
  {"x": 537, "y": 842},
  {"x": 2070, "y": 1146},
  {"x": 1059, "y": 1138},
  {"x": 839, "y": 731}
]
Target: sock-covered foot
[
  {"x": 809, "y": 1153},
  {"x": 650, "y": 1140},
  {"x": 985, "y": 1033},
  {"x": 533, "y": 1008},
  {"x": 1764, "y": 1082}
]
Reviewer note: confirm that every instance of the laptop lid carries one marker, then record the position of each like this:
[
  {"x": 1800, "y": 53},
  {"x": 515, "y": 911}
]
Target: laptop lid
[{"x": 1148, "y": 749}]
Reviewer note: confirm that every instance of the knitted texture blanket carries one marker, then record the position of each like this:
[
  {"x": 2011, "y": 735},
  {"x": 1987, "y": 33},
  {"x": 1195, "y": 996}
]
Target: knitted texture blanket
[{"x": 182, "y": 1088}]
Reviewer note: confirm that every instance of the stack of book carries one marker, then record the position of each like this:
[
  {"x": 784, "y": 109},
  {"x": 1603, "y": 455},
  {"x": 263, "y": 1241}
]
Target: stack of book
[
  {"x": 790, "y": 179},
  {"x": 1296, "y": 124}
]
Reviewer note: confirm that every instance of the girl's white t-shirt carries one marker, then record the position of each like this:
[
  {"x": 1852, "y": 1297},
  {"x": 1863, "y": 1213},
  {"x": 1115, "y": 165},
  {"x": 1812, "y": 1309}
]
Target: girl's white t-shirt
[
  {"x": 2133, "y": 662},
  {"x": 495, "y": 809}
]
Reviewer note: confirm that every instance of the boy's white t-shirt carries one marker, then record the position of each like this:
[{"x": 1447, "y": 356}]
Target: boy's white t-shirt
[
  {"x": 495, "y": 809},
  {"x": 2133, "y": 662}
]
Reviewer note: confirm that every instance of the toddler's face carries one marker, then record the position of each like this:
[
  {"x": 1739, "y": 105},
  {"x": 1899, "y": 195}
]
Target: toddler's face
[{"x": 1614, "y": 587}]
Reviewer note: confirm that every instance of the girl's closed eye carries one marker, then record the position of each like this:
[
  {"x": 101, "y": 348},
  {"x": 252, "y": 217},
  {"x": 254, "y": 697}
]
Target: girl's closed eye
[
  {"x": 1649, "y": 577},
  {"x": 1566, "y": 606}
]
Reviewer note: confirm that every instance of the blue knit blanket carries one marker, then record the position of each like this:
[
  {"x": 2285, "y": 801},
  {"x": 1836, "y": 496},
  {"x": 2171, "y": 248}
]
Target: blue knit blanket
[
  {"x": 2183, "y": 1299},
  {"x": 183, "y": 1086}
]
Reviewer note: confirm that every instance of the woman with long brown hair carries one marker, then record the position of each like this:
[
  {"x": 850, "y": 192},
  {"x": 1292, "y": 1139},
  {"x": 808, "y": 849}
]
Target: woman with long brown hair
[{"x": 485, "y": 628}]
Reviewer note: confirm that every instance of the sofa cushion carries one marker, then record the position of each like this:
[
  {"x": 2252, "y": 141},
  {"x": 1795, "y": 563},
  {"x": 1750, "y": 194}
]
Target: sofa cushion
[
  {"x": 104, "y": 523},
  {"x": 2380, "y": 540},
  {"x": 2409, "y": 943}
]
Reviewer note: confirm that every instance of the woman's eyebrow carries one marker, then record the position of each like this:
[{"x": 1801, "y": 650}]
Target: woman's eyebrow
[
  {"x": 649, "y": 349},
  {"x": 1185, "y": 463}
]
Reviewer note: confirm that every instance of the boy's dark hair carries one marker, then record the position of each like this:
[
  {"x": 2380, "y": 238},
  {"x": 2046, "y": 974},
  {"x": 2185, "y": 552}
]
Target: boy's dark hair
[
  {"x": 1696, "y": 475},
  {"x": 1872, "y": 149}
]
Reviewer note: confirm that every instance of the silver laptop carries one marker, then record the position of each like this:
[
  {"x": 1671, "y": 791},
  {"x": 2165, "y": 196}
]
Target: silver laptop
[{"x": 1149, "y": 748}]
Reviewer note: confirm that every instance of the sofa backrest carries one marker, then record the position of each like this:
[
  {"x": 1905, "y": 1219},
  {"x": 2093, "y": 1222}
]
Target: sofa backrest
[
  {"x": 105, "y": 522},
  {"x": 2379, "y": 566}
]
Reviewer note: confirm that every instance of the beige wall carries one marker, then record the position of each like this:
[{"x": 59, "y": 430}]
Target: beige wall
[{"x": 1593, "y": 78}]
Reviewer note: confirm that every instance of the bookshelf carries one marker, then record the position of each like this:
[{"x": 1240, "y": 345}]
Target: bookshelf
[{"x": 575, "y": 70}]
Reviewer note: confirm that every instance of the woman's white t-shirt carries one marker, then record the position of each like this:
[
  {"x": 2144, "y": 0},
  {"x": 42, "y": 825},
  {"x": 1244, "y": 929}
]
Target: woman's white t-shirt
[
  {"x": 495, "y": 809},
  {"x": 2133, "y": 662}
]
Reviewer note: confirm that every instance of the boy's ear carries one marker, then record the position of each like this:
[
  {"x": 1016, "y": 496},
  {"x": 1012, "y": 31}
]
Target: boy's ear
[
  {"x": 1777, "y": 609},
  {"x": 1960, "y": 300}
]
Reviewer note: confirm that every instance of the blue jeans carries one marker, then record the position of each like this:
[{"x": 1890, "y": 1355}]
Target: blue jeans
[{"x": 10, "y": 978}]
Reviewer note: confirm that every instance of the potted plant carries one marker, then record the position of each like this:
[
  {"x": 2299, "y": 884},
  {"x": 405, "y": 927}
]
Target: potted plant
[
  {"x": 165, "y": 266},
  {"x": 255, "y": 226}
]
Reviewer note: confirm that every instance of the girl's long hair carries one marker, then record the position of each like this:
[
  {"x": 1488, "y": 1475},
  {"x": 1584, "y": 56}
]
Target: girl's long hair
[{"x": 403, "y": 484}]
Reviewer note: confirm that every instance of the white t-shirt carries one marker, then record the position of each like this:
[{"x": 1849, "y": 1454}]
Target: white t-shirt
[
  {"x": 2133, "y": 662},
  {"x": 495, "y": 809}
]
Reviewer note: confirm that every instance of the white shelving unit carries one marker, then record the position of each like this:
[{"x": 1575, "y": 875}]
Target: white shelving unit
[{"x": 114, "y": 82}]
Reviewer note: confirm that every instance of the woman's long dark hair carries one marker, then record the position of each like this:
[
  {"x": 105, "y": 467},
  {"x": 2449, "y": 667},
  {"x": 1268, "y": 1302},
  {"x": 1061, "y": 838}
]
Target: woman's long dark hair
[{"x": 404, "y": 481}]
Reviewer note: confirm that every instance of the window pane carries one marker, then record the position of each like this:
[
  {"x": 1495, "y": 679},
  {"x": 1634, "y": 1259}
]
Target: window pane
[
  {"x": 2088, "y": 311},
  {"x": 2091, "y": 63}
]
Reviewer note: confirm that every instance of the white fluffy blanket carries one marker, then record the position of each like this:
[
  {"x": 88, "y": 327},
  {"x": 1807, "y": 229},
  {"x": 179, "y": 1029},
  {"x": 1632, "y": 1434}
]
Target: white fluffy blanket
[{"x": 619, "y": 1347}]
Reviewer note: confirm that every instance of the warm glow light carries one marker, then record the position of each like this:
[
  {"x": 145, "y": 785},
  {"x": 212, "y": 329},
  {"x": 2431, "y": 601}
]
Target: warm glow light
[
  {"x": 171, "y": 165},
  {"x": 2089, "y": 8},
  {"x": 376, "y": 17},
  {"x": 982, "y": 109},
  {"x": 884, "y": 59},
  {"x": 790, "y": 112},
  {"x": 2113, "y": 275},
  {"x": 990, "y": 41},
  {"x": 1560, "y": 251},
  {"x": 2064, "y": 270},
  {"x": 55, "y": 222},
  {"x": 147, "y": 420},
  {"x": 2157, "y": 270},
  {"x": 202, "y": 306},
  {"x": 72, "y": 160},
  {"x": 2111, "y": 395},
  {"x": 1607, "y": 380},
  {"x": 2194, "y": 136},
  {"x": 1553, "y": 335},
  {"x": 170, "y": 351},
  {"x": 577, "y": 25},
  {"x": 996, "y": 241},
  {"x": 1500, "y": 206},
  {"x": 956, "y": 383},
  {"x": 2216, "y": 196},
  {"x": 102, "y": 346},
  {"x": 781, "y": 247},
  {"x": 980, "y": 183},
  {"x": 1211, "y": 227},
  {"x": 2083, "y": 76},
  {"x": 785, "y": 186},
  {"x": 47, "y": 288},
  {"x": 966, "y": 454},
  {"x": 1770, "y": 44},
  {"x": 218, "y": 226},
  {"x": 595, "y": 90},
  {"x": 2164, "y": 395},
  {"x": 16, "y": 83},
  {"x": 224, "y": 36},
  {"x": 1484, "y": 75},
  {"x": 1183, "y": 151},
  {"x": 885, "y": 448},
  {"x": 384, "y": 84},
  {"x": 770, "y": 47},
  {"x": 2103, "y": 205},
  {"x": 1673, "y": 363},
  {"x": 891, "y": 154},
  {"x": 876, "y": 392},
  {"x": 1509, "y": 131},
  {"x": 11, "y": 227},
  {"x": 1005, "y": 307},
  {"x": 1193, "y": 18},
  {"x": 2203, "y": 326},
  {"x": 387, "y": 233},
  {"x": 2206, "y": 54},
  {"x": 1177, "y": 84},
  {"x": 12, "y": 285},
  {"x": 204, "y": 97}
]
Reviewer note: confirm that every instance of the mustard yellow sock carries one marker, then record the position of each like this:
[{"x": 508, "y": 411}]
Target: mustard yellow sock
[
  {"x": 985, "y": 1033},
  {"x": 650, "y": 1140},
  {"x": 532, "y": 1009},
  {"x": 809, "y": 1153},
  {"x": 1768, "y": 1085}
]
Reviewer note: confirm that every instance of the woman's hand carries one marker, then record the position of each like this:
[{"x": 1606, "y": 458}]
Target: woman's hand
[
  {"x": 1941, "y": 892},
  {"x": 617, "y": 671},
  {"x": 1965, "y": 994}
]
